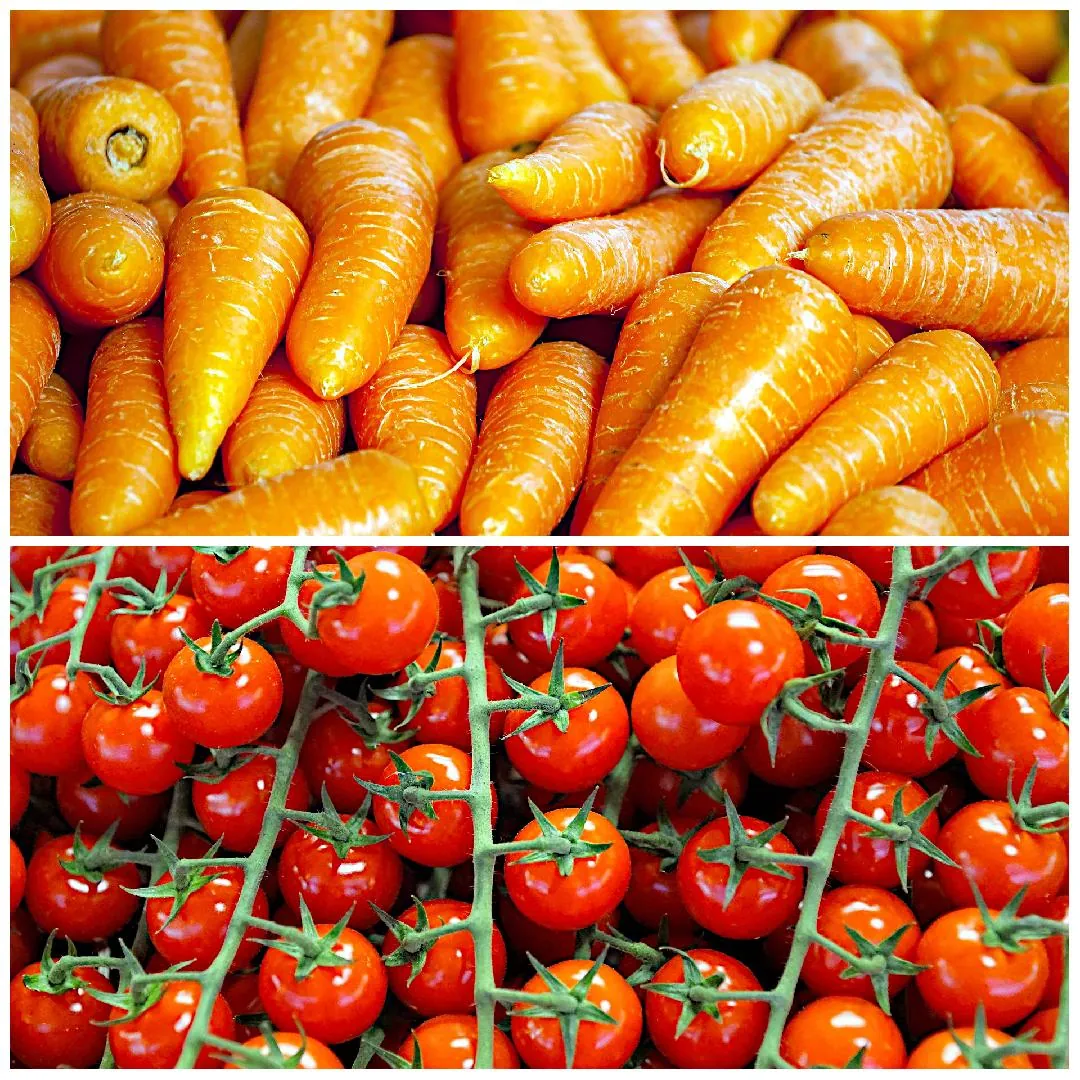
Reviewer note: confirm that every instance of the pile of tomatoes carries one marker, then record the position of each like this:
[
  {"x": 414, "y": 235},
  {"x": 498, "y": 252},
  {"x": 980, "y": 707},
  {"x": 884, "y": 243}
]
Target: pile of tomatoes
[{"x": 675, "y": 792}]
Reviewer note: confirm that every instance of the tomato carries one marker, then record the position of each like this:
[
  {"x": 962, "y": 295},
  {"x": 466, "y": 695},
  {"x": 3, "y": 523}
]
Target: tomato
[
  {"x": 19, "y": 793},
  {"x": 653, "y": 894},
  {"x": 25, "y": 939},
  {"x": 942, "y": 1050},
  {"x": 1053, "y": 565},
  {"x": 312, "y": 652},
  {"x": 640, "y": 563},
  {"x": 446, "y": 591},
  {"x": 917, "y": 634},
  {"x": 17, "y": 875},
  {"x": 874, "y": 561},
  {"x": 308, "y": 1053},
  {"x": 449, "y": 1042},
  {"x": 757, "y": 562},
  {"x": 955, "y": 630},
  {"x": 498, "y": 567},
  {"x": 247, "y": 585},
  {"x": 87, "y": 803},
  {"x": 663, "y": 608},
  {"x": 969, "y": 669},
  {"x": 46, "y": 722},
  {"x": 145, "y": 564},
  {"x": 804, "y": 756},
  {"x": 1037, "y": 631},
  {"x": 960, "y": 592},
  {"x": 1043, "y": 1028},
  {"x": 653, "y": 785},
  {"x": 154, "y": 639},
  {"x": 26, "y": 560},
  {"x": 829, "y": 1032},
  {"x": 64, "y": 608},
  {"x": 413, "y": 552},
  {"x": 1058, "y": 909}
]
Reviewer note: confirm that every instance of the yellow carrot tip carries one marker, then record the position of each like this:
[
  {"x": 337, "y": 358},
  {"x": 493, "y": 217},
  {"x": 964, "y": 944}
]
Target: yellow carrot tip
[
  {"x": 501, "y": 174},
  {"x": 699, "y": 175}
]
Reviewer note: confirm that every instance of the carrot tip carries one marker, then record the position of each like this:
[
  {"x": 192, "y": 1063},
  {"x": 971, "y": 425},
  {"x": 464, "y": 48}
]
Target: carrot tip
[{"x": 699, "y": 175}]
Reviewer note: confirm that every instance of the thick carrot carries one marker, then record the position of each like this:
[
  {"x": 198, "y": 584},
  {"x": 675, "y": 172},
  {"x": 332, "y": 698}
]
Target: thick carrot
[
  {"x": 366, "y": 194},
  {"x": 236, "y": 258},
  {"x": 872, "y": 342},
  {"x": 42, "y": 34},
  {"x": 424, "y": 413},
  {"x": 34, "y": 345},
  {"x": 183, "y": 54},
  {"x": 1044, "y": 360},
  {"x": 1050, "y": 123},
  {"x": 193, "y": 498},
  {"x": 1042, "y": 396},
  {"x": 283, "y": 426},
  {"x": 164, "y": 208},
  {"x": 316, "y": 68},
  {"x": 30, "y": 211},
  {"x": 910, "y": 31},
  {"x": 726, "y": 128},
  {"x": 126, "y": 473},
  {"x": 38, "y": 507},
  {"x": 1007, "y": 270},
  {"x": 1016, "y": 105},
  {"x": 694, "y": 30},
  {"x": 530, "y": 457},
  {"x": 874, "y": 146},
  {"x": 599, "y": 161},
  {"x": 602, "y": 264},
  {"x": 928, "y": 393},
  {"x": 774, "y": 351},
  {"x": 104, "y": 133},
  {"x": 741, "y": 37},
  {"x": 245, "y": 47},
  {"x": 891, "y": 511},
  {"x": 56, "y": 69},
  {"x": 51, "y": 442},
  {"x": 1031, "y": 39},
  {"x": 963, "y": 69},
  {"x": 584, "y": 59}
]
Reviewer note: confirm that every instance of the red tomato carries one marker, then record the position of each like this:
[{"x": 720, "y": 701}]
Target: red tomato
[
  {"x": 497, "y": 565},
  {"x": 412, "y": 552},
  {"x": 1058, "y": 909},
  {"x": 145, "y": 564},
  {"x": 639, "y": 563},
  {"x": 449, "y": 1042},
  {"x": 653, "y": 785},
  {"x": 64, "y": 608},
  {"x": 446, "y": 590},
  {"x": 829, "y": 1032},
  {"x": 954, "y": 630},
  {"x": 960, "y": 592},
  {"x": 1036, "y": 631},
  {"x": 875, "y": 562},
  {"x": 25, "y": 560},
  {"x": 804, "y": 756},
  {"x": 46, "y": 722},
  {"x": 247, "y": 585},
  {"x": 19, "y": 792},
  {"x": 312, "y": 652},
  {"x": 653, "y": 894},
  {"x": 942, "y": 1050},
  {"x": 241, "y": 992},
  {"x": 1043, "y": 1028},
  {"x": 1053, "y": 565},
  {"x": 86, "y": 803},
  {"x": 25, "y": 940},
  {"x": 309, "y": 1053},
  {"x": 17, "y": 875},
  {"x": 155, "y": 639},
  {"x": 757, "y": 562},
  {"x": 969, "y": 669},
  {"x": 509, "y": 658},
  {"x": 664, "y": 607},
  {"x": 917, "y": 634}
]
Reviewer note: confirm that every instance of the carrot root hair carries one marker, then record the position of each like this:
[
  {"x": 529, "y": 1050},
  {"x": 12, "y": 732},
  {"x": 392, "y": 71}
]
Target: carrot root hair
[{"x": 701, "y": 173}]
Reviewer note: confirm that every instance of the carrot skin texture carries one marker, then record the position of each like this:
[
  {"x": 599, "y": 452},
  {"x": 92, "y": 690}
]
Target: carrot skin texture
[
  {"x": 164, "y": 208},
  {"x": 872, "y": 342},
  {"x": 776, "y": 348},
  {"x": 39, "y": 507},
  {"x": 1043, "y": 360},
  {"x": 910, "y": 31},
  {"x": 245, "y": 47},
  {"x": 891, "y": 511},
  {"x": 34, "y": 344},
  {"x": 1050, "y": 123},
  {"x": 56, "y": 69},
  {"x": 584, "y": 59},
  {"x": 236, "y": 258},
  {"x": 1030, "y": 39},
  {"x": 928, "y": 393},
  {"x": 1016, "y": 105},
  {"x": 192, "y": 498},
  {"x": 740, "y": 37},
  {"x": 963, "y": 69},
  {"x": 1037, "y": 396},
  {"x": 30, "y": 211},
  {"x": 51, "y": 442}
]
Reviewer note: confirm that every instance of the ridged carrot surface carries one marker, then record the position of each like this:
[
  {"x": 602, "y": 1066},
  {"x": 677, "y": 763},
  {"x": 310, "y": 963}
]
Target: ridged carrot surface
[
  {"x": 530, "y": 457},
  {"x": 1050, "y": 123},
  {"x": 1006, "y": 270},
  {"x": 1042, "y": 396},
  {"x": 164, "y": 208},
  {"x": 366, "y": 194},
  {"x": 601, "y": 264},
  {"x": 38, "y": 507},
  {"x": 1044, "y": 360},
  {"x": 56, "y": 69},
  {"x": 963, "y": 69},
  {"x": 51, "y": 442},
  {"x": 584, "y": 59},
  {"x": 418, "y": 409},
  {"x": 126, "y": 473},
  {"x": 872, "y": 341},
  {"x": 928, "y": 393},
  {"x": 599, "y": 161},
  {"x": 30, "y": 212},
  {"x": 910, "y": 31},
  {"x": 42, "y": 34},
  {"x": 236, "y": 258},
  {"x": 891, "y": 511},
  {"x": 193, "y": 498},
  {"x": 316, "y": 68},
  {"x": 245, "y": 47},
  {"x": 726, "y": 128},
  {"x": 874, "y": 146},
  {"x": 34, "y": 346},
  {"x": 1016, "y": 105},
  {"x": 283, "y": 426},
  {"x": 741, "y": 37},
  {"x": 1031, "y": 39}
]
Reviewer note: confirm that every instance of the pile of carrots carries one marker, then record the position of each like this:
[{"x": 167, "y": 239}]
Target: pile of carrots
[{"x": 524, "y": 272}]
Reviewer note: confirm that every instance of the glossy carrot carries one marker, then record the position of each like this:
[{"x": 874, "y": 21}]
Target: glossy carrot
[
  {"x": 51, "y": 442},
  {"x": 164, "y": 208},
  {"x": 34, "y": 345},
  {"x": 584, "y": 59},
  {"x": 874, "y": 146},
  {"x": 126, "y": 473},
  {"x": 1041, "y": 396},
  {"x": 1044, "y": 360},
  {"x": 726, "y": 128},
  {"x": 910, "y": 31},
  {"x": 963, "y": 69},
  {"x": 741, "y": 37},
  {"x": 694, "y": 30},
  {"x": 1016, "y": 105},
  {"x": 56, "y": 69},
  {"x": 1050, "y": 123},
  {"x": 366, "y": 194},
  {"x": 30, "y": 211},
  {"x": 1007, "y": 269},
  {"x": 316, "y": 68},
  {"x": 282, "y": 427},
  {"x": 774, "y": 351},
  {"x": 42, "y": 34},
  {"x": 38, "y": 507},
  {"x": 245, "y": 47},
  {"x": 1031, "y": 39},
  {"x": 424, "y": 413},
  {"x": 530, "y": 457},
  {"x": 193, "y": 498},
  {"x": 236, "y": 258},
  {"x": 891, "y": 511},
  {"x": 872, "y": 342},
  {"x": 928, "y": 393}
]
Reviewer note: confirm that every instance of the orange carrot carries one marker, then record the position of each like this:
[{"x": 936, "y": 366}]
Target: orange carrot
[
  {"x": 424, "y": 413},
  {"x": 601, "y": 160},
  {"x": 891, "y": 511},
  {"x": 1041, "y": 396},
  {"x": 1031, "y": 39},
  {"x": 726, "y": 128},
  {"x": 530, "y": 458},
  {"x": 34, "y": 345},
  {"x": 38, "y": 507},
  {"x": 910, "y": 31},
  {"x": 366, "y": 194},
  {"x": 42, "y": 34},
  {"x": 963, "y": 69},
  {"x": 283, "y": 426},
  {"x": 236, "y": 258},
  {"x": 774, "y": 351},
  {"x": 740, "y": 37},
  {"x": 56, "y": 69},
  {"x": 872, "y": 342},
  {"x": 694, "y": 30},
  {"x": 193, "y": 498},
  {"x": 51, "y": 441},
  {"x": 927, "y": 394},
  {"x": 874, "y": 146},
  {"x": 1050, "y": 123},
  {"x": 602, "y": 264},
  {"x": 126, "y": 472},
  {"x": 584, "y": 59},
  {"x": 1044, "y": 360},
  {"x": 164, "y": 208},
  {"x": 1016, "y": 105},
  {"x": 1007, "y": 270},
  {"x": 30, "y": 211},
  {"x": 183, "y": 54},
  {"x": 245, "y": 47},
  {"x": 316, "y": 68}
]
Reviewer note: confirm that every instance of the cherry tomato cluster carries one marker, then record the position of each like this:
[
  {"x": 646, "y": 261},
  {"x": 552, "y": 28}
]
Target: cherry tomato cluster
[{"x": 536, "y": 807}]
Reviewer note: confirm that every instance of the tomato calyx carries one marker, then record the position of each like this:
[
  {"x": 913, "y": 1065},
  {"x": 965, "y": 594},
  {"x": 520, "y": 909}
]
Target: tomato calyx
[
  {"x": 979, "y": 557},
  {"x": 141, "y": 995},
  {"x": 667, "y": 841},
  {"x": 699, "y": 994},
  {"x": 414, "y": 942},
  {"x": 1047, "y": 818},
  {"x": 650, "y": 960},
  {"x": 544, "y": 599},
  {"x": 1008, "y": 930},
  {"x": 184, "y": 878},
  {"x": 720, "y": 588},
  {"x": 249, "y": 1057},
  {"x": 562, "y": 846},
  {"x": 983, "y": 1053},
  {"x": 117, "y": 691},
  {"x": 788, "y": 703},
  {"x": 343, "y": 834},
  {"x": 941, "y": 712},
  {"x": 94, "y": 862},
  {"x": 217, "y": 660},
  {"x": 554, "y": 705},
  {"x": 55, "y": 976},
  {"x": 226, "y": 760},
  {"x": 374, "y": 729},
  {"x": 419, "y": 685},
  {"x": 815, "y": 627},
  {"x": 310, "y": 949},
  {"x": 414, "y": 790},
  {"x": 877, "y": 960},
  {"x": 224, "y": 555},
  {"x": 140, "y": 600},
  {"x": 396, "y": 1061},
  {"x": 338, "y": 588}
]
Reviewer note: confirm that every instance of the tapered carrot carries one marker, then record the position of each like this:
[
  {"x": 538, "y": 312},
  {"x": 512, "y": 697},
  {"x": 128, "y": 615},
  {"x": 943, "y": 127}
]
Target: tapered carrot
[
  {"x": 726, "y": 128},
  {"x": 236, "y": 258},
  {"x": 282, "y": 427},
  {"x": 183, "y": 54},
  {"x": 530, "y": 458},
  {"x": 51, "y": 442},
  {"x": 423, "y": 412},
  {"x": 928, "y": 393},
  {"x": 366, "y": 194},
  {"x": 126, "y": 472},
  {"x": 694, "y": 30},
  {"x": 245, "y": 47},
  {"x": 192, "y": 498},
  {"x": 874, "y": 146},
  {"x": 602, "y": 264},
  {"x": 963, "y": 69},
  {"x": 910, "y": 31},
  {"x": 1007, "y": 270},
  {"x": 872, "y": 342},
  {"x": 1050, "y": 123},
  {"x": 584, "y": 59},
  {"x": 30, "y": 211},
  {"x": 38, "y": 507},
  {"x": 891, "y": 511},
  {"x": 165, "y": 209},
  {"x": 42, "y": 34},
  {"x": 34, "y": 345},
  {"x": 56, "y": 69},
  {"x": 1044, "y": 360},
  {"x": 104, "y": 133},
  {"x": 741, "y": 37},
  {"x": 1016, "y": 105},
  {"x": 1031, "y": 39},
  {"x": 1041, "y": 396},
  {"x": 316, "y": 68},
  {"x": 774, "y": 351}
]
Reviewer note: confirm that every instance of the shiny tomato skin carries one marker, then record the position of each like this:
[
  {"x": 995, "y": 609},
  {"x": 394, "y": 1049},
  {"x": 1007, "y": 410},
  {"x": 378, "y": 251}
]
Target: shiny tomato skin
[
  {"x": 1037, "y": 629},
  {"x": 969, "y": 669},
  {"x": 17, "y": 875},
  {"x": 1042, "y": 1026},
  {"x": 497, "y": 565},
  {"x": 757, "y": 561},
  {"x": 941, "y": 1050},
  {"x": 653, "y": 894},
  {"x": 93, "y": 806},
  {"x": 145, "y": 564},
  {"x": 314, "y": 1054},
  {"x": 25, "y": 560},
  {"x": 312, "y": 652},
  {"x": 804, "y": 756},
  {"x": 960, "y": 592},
  {"x": 653, "y": 786},
  {"x": 917, "y": 634},
  {"x": 237, "y": 591},
  {"x": 46, "y": 722},
  {"x": 449, "y": 1041},
  {"x": 638, "y": 563},
  {"x": 446, "y": 590},
  {"x": 1057, "y": 909},
  {"x": 18, "y": 792},
  {"x": 155, "y": 639},
  {"x": 830, "y": 1031},
  {"x": 874, "y": 561},
  {"x": 662, "y": 609},
  {"x": 64, "y": 608}
]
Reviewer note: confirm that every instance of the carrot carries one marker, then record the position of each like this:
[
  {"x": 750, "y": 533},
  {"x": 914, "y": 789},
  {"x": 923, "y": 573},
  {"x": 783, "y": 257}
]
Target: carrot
[
  {"x": 1016, "y": 105},
  {"x": 366, "y": 194},
  {"x": 599, "y": 161},
  {"x": 874, "y": 146},
  {"x": 1043, "y": 360},
  {"x": 245, "y": 47},
  {"x": 183, "y": 54},
  {"x": 962, "y": 69},
  {"x": 1007, "y": 270},
  {"x": 1042, "y": 396},
  {"x": 1010, "y": 480},
  {"x": 647, "y": 53},
  {"x": 726, "y": 128},
  {"x": 193, "y": 498},
  {"x": 38, "y": 507},
  {"x": 51, "y": 441},
  {"x": 872, "y": 342},
  {"x": 774, "y": 351},
  {"x": 283, "y": 426},
  {"x": 412, "y": 93},
  {"x": 530, "y": 457},
  {"x": 694, "y": 30},
  {"x": 236, "y": 258},
  {"x": 104, "y": 133},
  {"x": 1031, "y": 39},
  {"x": 126, "y": 472},
  {"x": 891, "y": 511},
  {"x": 1050, "y": 122},
  {"x": 30, "y": 210},
  {"x": 41, "y": 35},
  {"x": 164, "y": 208},
  {"x": 316, "y": 68},
  {"x": 602, "y": 264},
  {"x": 56, "y": 69},
  {"x": 910, "y": 31},
  {"x": 424, "y": 413},
  {"x": 928, "y": 393},
  {"x": 741, "y": 37},
  {"x": 584, "y": 59},
  {"x": 365, "y": 493},
  {"x": 34, "y": 345}
]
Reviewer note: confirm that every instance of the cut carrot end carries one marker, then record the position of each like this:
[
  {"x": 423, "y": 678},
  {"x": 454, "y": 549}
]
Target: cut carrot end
[{"x": 701, "y": 173}]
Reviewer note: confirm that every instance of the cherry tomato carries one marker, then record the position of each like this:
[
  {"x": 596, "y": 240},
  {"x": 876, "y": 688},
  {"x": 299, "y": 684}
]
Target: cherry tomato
[
  {"x": 308, "y": 1053},
  {"x": 312, "y": 652},
  {"x": 155, "y": 639},
  {"x": 917, "y": 634},
  {"x": 145, "y": 564},
  {"x": 413, "y": 552},
  {"x": 449, "y": 1042},
  {"x": 1058, "y": 909},
  {"x": 25, "y": 560},
  {"x": 241, "y": 589},
  {"x": 663, "y": 608},
  {"x": 64, "y": 608},
  {"x": 969, "y": 669},
  {"x": 1036, "y": 631},
  {"x": 956, "y": 630},
  {"x": 653, "y": 785},
  {"x": 1053, "y": 565},
  {"x": 498, "y": 567},
  {"x": 523, "y": 936},
  {"x": 875, "y": 562},
  {"x": 829, "y": 1032},
  {"x": 19, "y": 792},
  {"x": 960, "y": 592},
  {"x": 87, "y": 803},
  {"x": 1043, "y": 1028},
  {"x": 653, "y": 894},
  {"x": 942, "y": 1050},
  {"x": 757, "y": 562},
  {"x": 446, "y": 590},
  {"x": 17, "y": 875},
  {"x": 804, "y": 756},
  {"x": 25, "y": 940},
  {"x": 46, "y": 722},
  {"x": 509, "y": 658}
]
